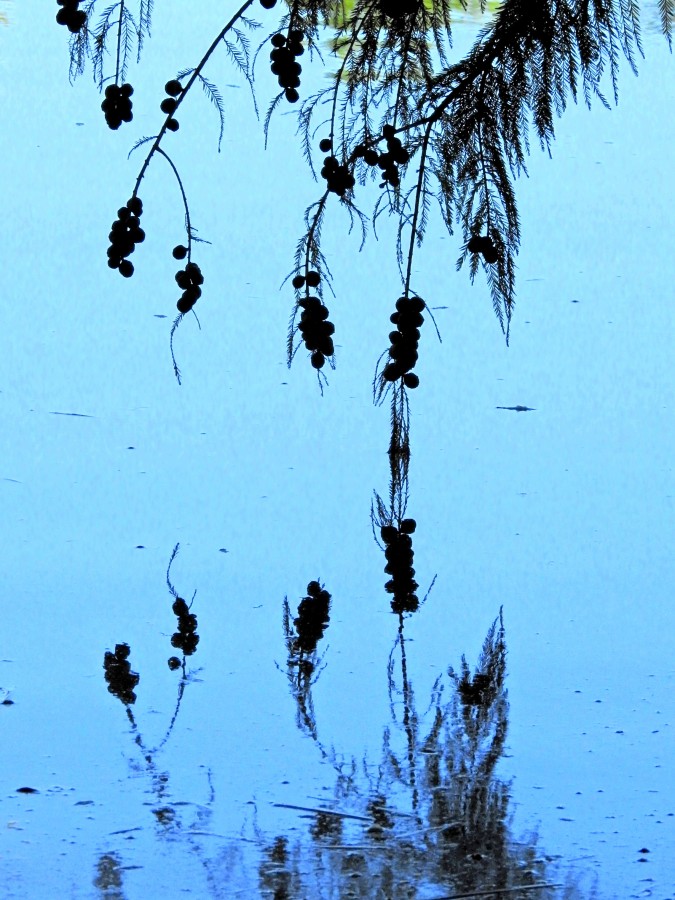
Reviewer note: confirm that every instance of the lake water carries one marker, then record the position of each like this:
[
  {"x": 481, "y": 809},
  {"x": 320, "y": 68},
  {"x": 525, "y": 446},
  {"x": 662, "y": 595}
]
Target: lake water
[{"x": 376, "y": 774}]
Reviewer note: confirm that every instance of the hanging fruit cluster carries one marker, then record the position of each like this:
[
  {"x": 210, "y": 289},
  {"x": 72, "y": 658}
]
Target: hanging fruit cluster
[
  {"x": 396, "y": 155},
  {"x": 69, "y": 15},
  {"x": 399, "y": 553},
  {"x": 339, "y": 179},
  {"x": 405, "y": 341},
  {"x": 484, "y": 245},
  {"x": 121, "y": 680},
  {"x": 186, "y": 638},
  {"x": 173, "y": 89},
  {"x": 117, "y": 105},
  {"x": 317, "y": 332},
  {"x": 125, "y": 233},
  {"x": 190, "y": 279},
  {"x": 313, "y": 618},
  {"x": 284, "y": 64}
]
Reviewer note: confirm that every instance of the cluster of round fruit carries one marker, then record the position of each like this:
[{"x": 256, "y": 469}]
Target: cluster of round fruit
[
  {"x": 399, "y": 553},
  {"x": 404, "y": 341},
  {"x": 339, "y": 178},
  {"x": 190, "y": 279},
  {"x": 313, "y": 618},
  {"x": 125, "y": 233},
  {"x": 185, "y": 638},
  {"x": 284, "y": 64},
  {"x": 396, "y": 156},
  {"x": 121, "y": 680},
  {"x": 117, "y": 105},
  {"x": 485, "y": 246},
  {"x": 317, "y": 332},
  {"x": 69, "y": 15},
  {"x": 168, "y": 105}
]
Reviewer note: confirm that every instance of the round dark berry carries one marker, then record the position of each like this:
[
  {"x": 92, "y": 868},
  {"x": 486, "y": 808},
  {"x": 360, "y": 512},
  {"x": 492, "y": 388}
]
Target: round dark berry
[
  {"x": 410, "y": 380},
  {"x": 292, "y": 95},
  {"x": 313, "y": 279},
  {"x": 173, "y": 87},
  {"x": 126, "y": 90},
  {"x": 326, "y": 145},
  {"x": 318, "y": 359},
  {"x": 174, "y": 663},
  {"x": 298, "y": 282},
  {"x": 135, "y": 206},
  {"x": 389, "y": 533},
  {"x": 126, "y": 268},
  {"x": 168, "y": 105},
  {"x": 408, "y": 526},
  {"x": 179, "y": 252},
  {"x": 172, "y": 125},
  {"x": 278, "y": 40},
  {"x": 268, "y": 4}
]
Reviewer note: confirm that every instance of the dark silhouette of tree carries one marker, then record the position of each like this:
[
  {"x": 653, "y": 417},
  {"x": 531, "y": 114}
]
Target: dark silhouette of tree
[{"x": 398, "y": 110}]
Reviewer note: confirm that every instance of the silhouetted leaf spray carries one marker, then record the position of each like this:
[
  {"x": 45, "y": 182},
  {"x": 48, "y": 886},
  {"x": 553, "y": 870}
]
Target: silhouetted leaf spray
[{"x": 463, "y": 125}]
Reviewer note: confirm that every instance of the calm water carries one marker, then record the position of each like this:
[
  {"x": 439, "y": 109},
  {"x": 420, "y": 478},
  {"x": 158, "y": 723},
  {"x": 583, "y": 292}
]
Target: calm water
[{"x": 377, "y": 774}]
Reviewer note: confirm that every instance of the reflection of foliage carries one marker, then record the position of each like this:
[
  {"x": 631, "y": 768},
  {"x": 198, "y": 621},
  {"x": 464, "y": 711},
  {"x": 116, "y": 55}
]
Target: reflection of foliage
[
  {"x": 108, "y": 879},
  {"x": 303, "y": 664},
  {"x": 122, "y": 681},
  {"x": 432, "y": 816}
]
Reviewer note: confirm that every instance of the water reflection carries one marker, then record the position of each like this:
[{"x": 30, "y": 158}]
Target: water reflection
[
  {"x": 431, "y": 818},
  {"x": 122, "y": 681}
]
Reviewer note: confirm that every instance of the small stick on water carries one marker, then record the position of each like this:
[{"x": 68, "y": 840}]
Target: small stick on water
[
  {"x": 490, "y": 893},
  {"x": 323, "y": 812}
]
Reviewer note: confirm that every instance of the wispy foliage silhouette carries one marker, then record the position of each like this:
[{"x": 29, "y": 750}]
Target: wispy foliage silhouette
[{"x": 430, "y": 130}]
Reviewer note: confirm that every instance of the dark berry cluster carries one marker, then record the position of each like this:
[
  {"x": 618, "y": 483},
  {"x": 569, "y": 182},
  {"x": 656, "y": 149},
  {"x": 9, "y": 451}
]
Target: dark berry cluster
[
  {"x": 317, "y": 332},
  {"x": 168, "y": 105},
  {"x": 69, "y": 15},
  {"x": 117, "y": 105},
  {"x": 313, "y": 618},
  {"x": 284, "y": 63},
  {"x": 485, "y": 246},
  {"x": 185, "y": 638},
  {"x": 125, "y": 233},
  {"x": 190, "y": 279},
  {"x": 339, "y": 178},
  {"x": 404, "y": 341},
  {"x": 121, "y": 680},
  {"x": 399, "y": 553},
  {"x": 396, "y": 155}
]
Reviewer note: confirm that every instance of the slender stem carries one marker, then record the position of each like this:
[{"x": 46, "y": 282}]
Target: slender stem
[
  {"x": 119, "y": 43},
  {"x": 195, "y": 75}
]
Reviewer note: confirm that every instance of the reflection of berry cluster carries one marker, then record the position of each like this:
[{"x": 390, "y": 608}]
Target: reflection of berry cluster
[
  {"x": 404, "y": 341},
  {"x": 284, "y": 64},
  {"x": 121, "y": 680},
  {"x": 484, "y": 245},
  {"x": 314, "y": 326},
  {"x": 185, "y": 638},
  {"x": 125, "y": 233},
  {"x": 70, "y": 16},
  {"x": 399, "y": 554},
  {"x": 190, "y": 280},
  {"x": 174, "y": 89},
  {"x": 396, "y": 156},
  {"x": 313, "y": 617},
  {"x": 339, "y": 178},
  {"x": 117, "y": 105}
]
